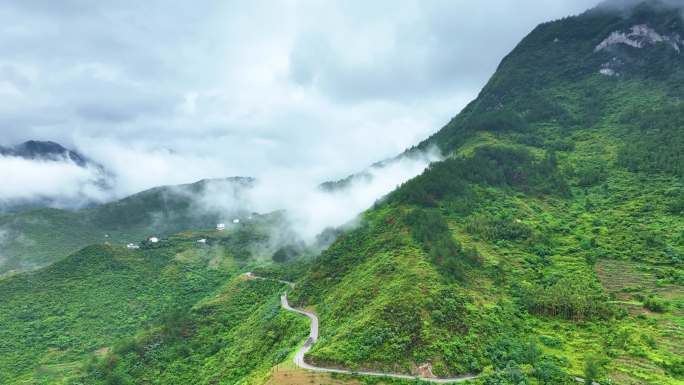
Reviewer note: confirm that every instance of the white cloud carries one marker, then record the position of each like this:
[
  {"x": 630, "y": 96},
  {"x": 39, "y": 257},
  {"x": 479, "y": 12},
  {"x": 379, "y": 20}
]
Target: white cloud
[
  {"x": 165, "y": 93},
  {"x": 312, "y": 209},
  {"x": 63, "y": 183}
]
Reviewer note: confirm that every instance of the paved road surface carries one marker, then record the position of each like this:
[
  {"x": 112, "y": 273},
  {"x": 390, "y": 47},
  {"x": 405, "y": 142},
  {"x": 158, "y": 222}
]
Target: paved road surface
[{"x": 313, "y": 337}]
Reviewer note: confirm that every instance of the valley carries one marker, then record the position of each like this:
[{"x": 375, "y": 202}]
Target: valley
[{"x": 545, "y": 247}]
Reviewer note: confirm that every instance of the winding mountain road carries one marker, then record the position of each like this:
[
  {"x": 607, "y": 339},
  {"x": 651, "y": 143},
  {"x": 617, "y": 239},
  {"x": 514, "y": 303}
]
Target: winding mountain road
[{"x": 313, "y": 337}]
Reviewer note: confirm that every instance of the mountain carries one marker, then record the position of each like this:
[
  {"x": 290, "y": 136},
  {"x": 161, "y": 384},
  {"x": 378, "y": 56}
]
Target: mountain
[
  {"x": 101, "y": 180},
  {"x": 549, "y": 244},
  {"x": 547, "y": 247},
  {"x": 44, "y": 150},
  {"x": 623, "y": 45},
  {"x": 366, "y": 176},
  {"x": 58, "y": 321},
  {"x": 38, "y": 237}
]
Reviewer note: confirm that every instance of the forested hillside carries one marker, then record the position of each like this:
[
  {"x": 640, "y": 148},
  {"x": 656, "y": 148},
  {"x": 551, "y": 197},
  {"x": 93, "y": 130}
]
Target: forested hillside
[
  {"x": 107, "y": 302},
  {"x": 550, "y": 244}
]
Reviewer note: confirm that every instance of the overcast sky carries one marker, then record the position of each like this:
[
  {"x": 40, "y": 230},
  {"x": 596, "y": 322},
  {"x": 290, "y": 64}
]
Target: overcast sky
[{"x": 161, "y": 92}]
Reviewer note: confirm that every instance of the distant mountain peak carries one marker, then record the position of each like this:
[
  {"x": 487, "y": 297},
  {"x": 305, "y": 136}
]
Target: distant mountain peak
[
  {"x": 626, "y": 5},
  {"x": 44, "y": 150}
]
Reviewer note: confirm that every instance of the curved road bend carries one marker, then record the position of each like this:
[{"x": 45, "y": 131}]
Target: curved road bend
[{"x": 313, "y": 336}]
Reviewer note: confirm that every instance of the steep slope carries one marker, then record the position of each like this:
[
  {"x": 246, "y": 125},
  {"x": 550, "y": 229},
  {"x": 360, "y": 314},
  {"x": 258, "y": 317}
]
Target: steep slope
[
  {"x": 577, "y": 72},
  {"x": 39, "y": 237},
  {"x": 550, "y": 244}
]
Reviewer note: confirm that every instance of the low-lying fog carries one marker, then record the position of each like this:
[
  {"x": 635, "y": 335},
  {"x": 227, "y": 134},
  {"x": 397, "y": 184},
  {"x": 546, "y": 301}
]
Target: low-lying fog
[{"x": 297, "y": 191}]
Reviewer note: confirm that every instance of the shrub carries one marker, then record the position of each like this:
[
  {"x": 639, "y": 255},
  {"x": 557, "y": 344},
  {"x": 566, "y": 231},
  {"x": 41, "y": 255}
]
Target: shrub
[
  {"x": 548, "y": 372},
  {"x": 591, "y": 174},
  {"x": 498, "y": 228},
  {"x": 449, "y": 310},
  {"x": 508, "y": 376},
  {"x": 656, "y": 142},
  {"x": 676, "y": 205},
  {"x": 656, "y": 305},
  {"x": 561, "y": 145},
  {"x": 505, "y": 351},
  {"x": 675, "y": 368},
  {"x": 552, "y": 342},
  {"x": 592, "y": 369}
]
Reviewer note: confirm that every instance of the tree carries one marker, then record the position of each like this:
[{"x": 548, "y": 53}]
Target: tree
[
  {"x": 532, "y": 352},
  {"x": 549, "y": 373},
  {"x": 285, "y": 254},
  {"x": 509, "y": 376},
  {"x": 592, "y": 367}
]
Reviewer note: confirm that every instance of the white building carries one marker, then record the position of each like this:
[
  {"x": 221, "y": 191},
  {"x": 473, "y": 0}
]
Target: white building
[
  {"x": 203, "y": 240},
  {"x": 132, "y": 246},
  {"x": 153, "y": 239},
  {"x": 236, "y": 221},
  {"x": 220, "y": 226}
]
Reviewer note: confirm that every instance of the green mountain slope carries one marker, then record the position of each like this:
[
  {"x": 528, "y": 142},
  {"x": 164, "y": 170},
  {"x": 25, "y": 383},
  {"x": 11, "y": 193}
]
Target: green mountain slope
[
  {"x": 236, "y": 335},
  {"x": 551, "y": 243},
  {"x": 39, "y": 237},
  {"x": 56, "y": 319}
]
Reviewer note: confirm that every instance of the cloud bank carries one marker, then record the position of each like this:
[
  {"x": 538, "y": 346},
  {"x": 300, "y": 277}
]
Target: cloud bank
[
  {"x": 289, "y": 92},
  {"x": 57, "y": 183},
  {"x": 312, "y": 209}
]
